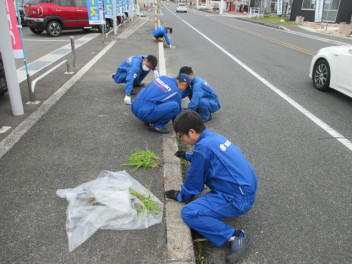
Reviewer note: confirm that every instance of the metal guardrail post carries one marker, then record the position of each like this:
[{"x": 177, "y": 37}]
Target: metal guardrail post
[
  {"x": 31, "y": 94},
  {"x": 73, "y": 48},
  {"x": 32, "y": 85}
]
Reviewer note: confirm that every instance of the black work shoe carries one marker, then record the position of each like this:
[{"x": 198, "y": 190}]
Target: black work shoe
[
  {"x": 159, "y": 130},
  {"x": 147, "y": 124},
  {"x": 139, "y": 85},
  {"x": 238, "y": 248}
]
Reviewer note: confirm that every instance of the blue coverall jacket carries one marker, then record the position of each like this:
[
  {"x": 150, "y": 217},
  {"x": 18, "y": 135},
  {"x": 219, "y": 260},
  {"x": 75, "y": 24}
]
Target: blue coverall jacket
[
  {"x": 220, "y": 165},
  {"x": 161, "y": 32},
  {"x": 203, "y": 98},
  {"x": 130, "y": 72},
  {"x": 159, "y": 102}
]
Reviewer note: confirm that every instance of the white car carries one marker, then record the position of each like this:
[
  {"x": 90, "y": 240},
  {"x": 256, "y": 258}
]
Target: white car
[
  {"x": 331, "y": 68},
  {"x": 203, "y": 7},
  {"x": 181, "y": 7}
]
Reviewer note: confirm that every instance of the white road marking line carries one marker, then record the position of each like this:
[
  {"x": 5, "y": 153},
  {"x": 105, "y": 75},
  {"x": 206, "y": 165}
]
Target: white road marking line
[{"x": 347, "y": 143}]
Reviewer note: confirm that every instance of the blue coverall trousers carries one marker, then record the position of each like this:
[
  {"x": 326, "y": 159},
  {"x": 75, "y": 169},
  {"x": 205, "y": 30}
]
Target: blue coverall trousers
[
  {"x": 203, "y": 215},
  {"x": 206, "y": 107},
  {"x": 159, "y": 115},
  {"x": 120, "y": 77}
]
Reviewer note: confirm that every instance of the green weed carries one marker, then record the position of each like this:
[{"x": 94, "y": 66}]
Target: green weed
[
  {"x": 144, "y": 158},
  {"x": 147, "y": 201}
]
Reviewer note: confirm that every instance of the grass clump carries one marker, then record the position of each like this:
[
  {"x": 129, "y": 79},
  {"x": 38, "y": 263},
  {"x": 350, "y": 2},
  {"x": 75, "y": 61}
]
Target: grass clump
[
  {"x": 275, "y": 19},
  {"x": 144, "y": 158},
  {"x": 148, "y": 203}
]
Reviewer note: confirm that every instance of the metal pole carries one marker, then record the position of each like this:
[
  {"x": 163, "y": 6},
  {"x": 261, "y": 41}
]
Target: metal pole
[
  {"x": 9, "y": 63},
  {"x": 114, "y": 14},
  {"x": 73, "y": 48}
]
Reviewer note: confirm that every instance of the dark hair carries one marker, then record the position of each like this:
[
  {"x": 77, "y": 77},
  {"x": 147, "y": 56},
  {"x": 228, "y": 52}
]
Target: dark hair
[
  {"x": 187, "y": 120},
  {"x": 169, "y": 29},
  {"x": 153, "y": 60},
  {"x": 186, "y": 69}
]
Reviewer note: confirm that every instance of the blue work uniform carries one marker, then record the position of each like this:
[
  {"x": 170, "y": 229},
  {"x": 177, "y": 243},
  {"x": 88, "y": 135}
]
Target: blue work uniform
[
  {"x": 130, "y": 72},
  {"x": 161, "y": 32},
  {"x": 159, "y": 102},
  {"x": 220, "y": 165},
  {"x": 203, "y": 98}
]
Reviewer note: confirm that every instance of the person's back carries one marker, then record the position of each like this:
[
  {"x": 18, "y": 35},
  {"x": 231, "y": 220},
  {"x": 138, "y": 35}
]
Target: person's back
[
  {"x": 160, "y": 90},
  {"x": 231, "y": 173},
  {"x": 203, "y": 98},
  {"x": 161, "y": 32},
  {"x": 160, "y": 101},
  {"x": 202, "y": 92}
]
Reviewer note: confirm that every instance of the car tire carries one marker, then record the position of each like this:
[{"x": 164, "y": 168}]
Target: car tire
[
  {"x": 321, "y": 75},
  {"x": 107, "y": 26},
  {"x": 54, "y": 28},
  {"x": 37, "y": 31}
]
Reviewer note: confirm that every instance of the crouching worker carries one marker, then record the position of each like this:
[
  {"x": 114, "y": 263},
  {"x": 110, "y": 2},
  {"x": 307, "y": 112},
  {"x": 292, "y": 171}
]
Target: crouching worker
[
  {"x": 161, "y": 32},
  {"x": 160, "y": 101},
  {"x": 132, "y": 71},
  {"x": 220, "y": 165},
  {"x": 202, "y": 97}
]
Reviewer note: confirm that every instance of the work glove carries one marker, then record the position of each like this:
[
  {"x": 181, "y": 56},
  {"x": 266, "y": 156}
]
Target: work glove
[
  {"x": 180, "y": 154},
  {"x": 172, "y": 194},
  {"x": 156, "y": 74}
]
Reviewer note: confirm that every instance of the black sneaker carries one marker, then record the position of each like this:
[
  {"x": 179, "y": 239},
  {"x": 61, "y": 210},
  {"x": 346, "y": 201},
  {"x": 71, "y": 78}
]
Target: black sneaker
[
  {"x": 158, "y": 130},
  {"x": 238, "y": 248},
  {"x": 139, "y": 85}
]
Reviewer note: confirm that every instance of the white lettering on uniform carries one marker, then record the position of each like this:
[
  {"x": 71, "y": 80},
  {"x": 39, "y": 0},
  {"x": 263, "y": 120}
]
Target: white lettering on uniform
[
  {"x": 163, "y": 84},
  {"x": 224, "y": 146}
]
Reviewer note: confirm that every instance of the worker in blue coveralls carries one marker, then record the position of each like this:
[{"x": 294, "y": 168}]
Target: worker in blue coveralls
[
  {"x": 161, "y": 32},
  {"x": 160, "y": 101},
  {"x": 202, "y": 97},
  {"x": 220, "y": 165},
  {"x": 132, "y": 71}
]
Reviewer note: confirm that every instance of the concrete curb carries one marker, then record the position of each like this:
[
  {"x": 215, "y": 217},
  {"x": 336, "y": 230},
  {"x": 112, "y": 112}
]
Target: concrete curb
[{"x": 178, "y": 235}]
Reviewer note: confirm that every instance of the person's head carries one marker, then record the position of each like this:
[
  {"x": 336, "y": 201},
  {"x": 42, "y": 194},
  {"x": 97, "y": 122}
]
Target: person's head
[
  {"x": 188, "y": 126},
  {"x": 183, "y": 81},
  {"x": 149, "y": 63},
  {"x": 169, "y": 29},
  {"x": 187, "y": 70}
]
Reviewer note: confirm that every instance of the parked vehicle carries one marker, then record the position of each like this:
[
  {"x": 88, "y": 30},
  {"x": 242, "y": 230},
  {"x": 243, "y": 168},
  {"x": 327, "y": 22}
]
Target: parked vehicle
[
  {"x": 331, "y": 68},
  {"x": 181, "y": 7},
  {"x": 57, "y": 15},
  {"x": 19, "y": 5},
  {"x": 3, "y": 84}
]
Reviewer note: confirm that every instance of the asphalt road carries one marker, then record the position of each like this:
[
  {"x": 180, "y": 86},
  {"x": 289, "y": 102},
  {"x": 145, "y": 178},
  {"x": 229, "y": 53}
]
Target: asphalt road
[{"x": 303, "y": 208}]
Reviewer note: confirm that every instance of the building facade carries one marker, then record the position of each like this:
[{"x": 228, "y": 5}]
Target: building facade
[{"x": 333, "y": 11}]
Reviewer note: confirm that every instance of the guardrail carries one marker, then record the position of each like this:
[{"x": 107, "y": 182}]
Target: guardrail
[{"x": 34, "y": 82}]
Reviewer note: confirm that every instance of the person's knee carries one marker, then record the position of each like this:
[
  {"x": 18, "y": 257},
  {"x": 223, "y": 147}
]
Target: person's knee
[{"x": 188, "y": 214}]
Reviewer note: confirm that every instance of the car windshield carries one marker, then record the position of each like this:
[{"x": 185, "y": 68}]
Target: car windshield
[
  {"x": 34, "y": 2},
  {"x": 181, "y": 4}
]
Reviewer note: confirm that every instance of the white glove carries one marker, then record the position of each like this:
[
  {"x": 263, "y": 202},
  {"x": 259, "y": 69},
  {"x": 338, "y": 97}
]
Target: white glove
[
  {"x": 156, "y": 74},
  {"x": 127, "y": 100}
]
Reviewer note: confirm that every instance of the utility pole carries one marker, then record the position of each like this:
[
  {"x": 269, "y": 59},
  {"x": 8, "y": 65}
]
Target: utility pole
[{"x": 9, "y": 63}]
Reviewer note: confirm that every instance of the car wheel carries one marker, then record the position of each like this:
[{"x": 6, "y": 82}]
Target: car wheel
[
  {"x": 54, "y": 28},
  {"x": 36, "y": 30},
  {"x": 107, "y": 26},
  {"x": 321, "y": 75}
]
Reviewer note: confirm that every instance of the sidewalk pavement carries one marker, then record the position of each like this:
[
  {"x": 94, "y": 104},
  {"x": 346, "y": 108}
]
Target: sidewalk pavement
[{"x": 81, "y": 129}]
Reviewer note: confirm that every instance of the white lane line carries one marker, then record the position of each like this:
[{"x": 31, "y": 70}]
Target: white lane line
[{"x": 347, "y": 143}]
